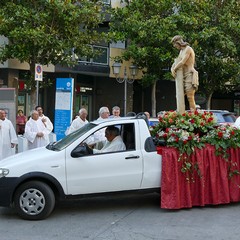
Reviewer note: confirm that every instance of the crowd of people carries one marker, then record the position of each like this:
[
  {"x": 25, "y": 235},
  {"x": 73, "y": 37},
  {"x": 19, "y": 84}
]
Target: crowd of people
[{"x": 37, "y": 127}]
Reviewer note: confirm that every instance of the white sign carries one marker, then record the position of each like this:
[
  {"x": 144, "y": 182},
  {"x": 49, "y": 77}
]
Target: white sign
[{"x": 38, "y": 72}]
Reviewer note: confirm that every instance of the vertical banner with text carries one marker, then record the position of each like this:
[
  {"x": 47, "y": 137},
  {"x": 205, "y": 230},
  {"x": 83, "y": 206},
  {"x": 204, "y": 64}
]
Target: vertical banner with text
[{"x": 63, "y": 105}]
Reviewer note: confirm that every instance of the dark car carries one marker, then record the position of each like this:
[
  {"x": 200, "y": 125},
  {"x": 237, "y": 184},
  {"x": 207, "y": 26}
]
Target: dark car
[{"x": 223, "y": 116}]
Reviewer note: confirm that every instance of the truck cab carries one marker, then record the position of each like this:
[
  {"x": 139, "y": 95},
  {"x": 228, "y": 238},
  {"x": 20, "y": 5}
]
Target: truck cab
[{"x": 67, "y": 169}]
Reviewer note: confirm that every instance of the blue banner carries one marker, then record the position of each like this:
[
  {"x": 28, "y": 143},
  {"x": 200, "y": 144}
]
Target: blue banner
[{"x": 63, "y": 106}]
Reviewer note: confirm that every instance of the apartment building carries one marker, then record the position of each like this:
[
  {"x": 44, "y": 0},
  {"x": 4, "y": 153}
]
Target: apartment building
[{"x": 96, "y": 85}]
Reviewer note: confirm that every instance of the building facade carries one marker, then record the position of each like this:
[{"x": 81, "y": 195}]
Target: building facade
[{"x": 96, "y": 85}]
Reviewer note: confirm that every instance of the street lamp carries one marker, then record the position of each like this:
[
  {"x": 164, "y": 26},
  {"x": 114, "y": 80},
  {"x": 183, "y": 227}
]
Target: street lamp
[{"x": 116, "y": 67}]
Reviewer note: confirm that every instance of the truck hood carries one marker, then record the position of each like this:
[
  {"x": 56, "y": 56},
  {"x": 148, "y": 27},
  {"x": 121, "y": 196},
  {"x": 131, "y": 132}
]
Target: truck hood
[{"x": 28, "y": 157}]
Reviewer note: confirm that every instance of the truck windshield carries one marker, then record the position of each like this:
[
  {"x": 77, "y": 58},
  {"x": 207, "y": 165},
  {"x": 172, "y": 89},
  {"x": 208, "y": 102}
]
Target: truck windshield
[{"x": 66, "y": 141}]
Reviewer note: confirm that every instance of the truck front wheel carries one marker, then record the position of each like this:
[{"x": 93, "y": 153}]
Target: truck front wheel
[{"x": 34, "y": 200}]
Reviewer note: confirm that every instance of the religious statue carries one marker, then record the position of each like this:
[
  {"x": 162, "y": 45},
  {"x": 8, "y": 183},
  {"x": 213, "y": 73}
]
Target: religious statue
[{"x": 185, "y": 75}]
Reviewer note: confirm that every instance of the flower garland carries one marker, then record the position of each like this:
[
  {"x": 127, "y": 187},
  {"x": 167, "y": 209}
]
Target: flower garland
[{"x": 192, "y": 130}]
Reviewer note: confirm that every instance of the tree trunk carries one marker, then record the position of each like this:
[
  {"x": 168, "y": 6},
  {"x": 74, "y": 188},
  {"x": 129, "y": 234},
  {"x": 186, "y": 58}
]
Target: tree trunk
[
  {"x": 154, "y": 99},
  {"x": 33, "y": 98},
  {"x": 208, "y": 103}
]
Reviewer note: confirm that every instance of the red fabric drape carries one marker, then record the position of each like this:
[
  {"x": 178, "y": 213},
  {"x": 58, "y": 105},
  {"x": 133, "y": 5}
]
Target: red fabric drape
[{"x": 213, "y": 187}]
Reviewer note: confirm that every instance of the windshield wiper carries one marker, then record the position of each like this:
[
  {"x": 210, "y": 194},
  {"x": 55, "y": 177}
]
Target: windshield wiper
[{"x": 51, "y": 146}]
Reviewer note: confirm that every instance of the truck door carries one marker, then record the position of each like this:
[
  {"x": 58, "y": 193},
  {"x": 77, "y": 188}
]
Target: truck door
[{"x": 107, "y": 172}]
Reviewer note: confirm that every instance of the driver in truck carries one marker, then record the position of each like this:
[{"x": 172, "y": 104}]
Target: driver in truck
[{"x": 113, "y": 142}]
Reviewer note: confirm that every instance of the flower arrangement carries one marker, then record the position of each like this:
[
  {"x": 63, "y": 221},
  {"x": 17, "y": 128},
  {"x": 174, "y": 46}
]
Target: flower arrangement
[
  {"x": 223, "y": 137},
  {"x": 192, "y": 130},
  {"x": 183, "y": 131}
]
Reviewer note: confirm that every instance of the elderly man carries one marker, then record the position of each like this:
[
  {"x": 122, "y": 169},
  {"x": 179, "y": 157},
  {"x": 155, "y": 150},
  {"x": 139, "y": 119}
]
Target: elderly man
[
  {"x": 115, "y": 112},
  {"x": 8, "y": 136},
  {"x": 103, "y": 113},
  {"x": 36, "y": 132},
  {"x": 113, "y": 142},
  {"x": 99, "y": 136},
  {"x": 79, "y": 121}
]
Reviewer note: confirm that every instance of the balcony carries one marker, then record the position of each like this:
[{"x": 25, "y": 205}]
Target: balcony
[{"x": 96, "y": 66}]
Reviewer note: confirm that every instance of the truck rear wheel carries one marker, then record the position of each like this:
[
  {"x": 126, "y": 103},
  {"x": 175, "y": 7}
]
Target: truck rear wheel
[{"x": 34, "y": 200}]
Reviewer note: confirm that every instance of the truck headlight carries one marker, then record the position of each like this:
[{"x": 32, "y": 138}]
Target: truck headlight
[{"x": 3, "y": 172}]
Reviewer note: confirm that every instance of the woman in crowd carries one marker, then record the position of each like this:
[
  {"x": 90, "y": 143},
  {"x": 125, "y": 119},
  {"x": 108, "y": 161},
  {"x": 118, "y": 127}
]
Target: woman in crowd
[{"x": 21, "y": 122}]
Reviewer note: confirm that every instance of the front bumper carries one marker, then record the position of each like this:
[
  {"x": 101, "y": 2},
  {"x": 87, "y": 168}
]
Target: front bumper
[{"x": 7, "y": 187}]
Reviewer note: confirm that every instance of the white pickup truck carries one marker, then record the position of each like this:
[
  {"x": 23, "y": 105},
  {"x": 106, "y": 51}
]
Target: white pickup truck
[{"x": 32, "y": 181}]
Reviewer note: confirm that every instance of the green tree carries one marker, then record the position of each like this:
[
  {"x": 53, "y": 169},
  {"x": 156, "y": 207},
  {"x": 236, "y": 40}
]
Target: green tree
[
  {"x": 146, "y": 26},
  {"x": 48, "y": 31},
  {"x": 210, "y": 26}
]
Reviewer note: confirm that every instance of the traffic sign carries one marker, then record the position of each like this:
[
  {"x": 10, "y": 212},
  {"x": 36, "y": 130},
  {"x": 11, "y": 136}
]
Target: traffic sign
[{"x": 38, "y": 72}]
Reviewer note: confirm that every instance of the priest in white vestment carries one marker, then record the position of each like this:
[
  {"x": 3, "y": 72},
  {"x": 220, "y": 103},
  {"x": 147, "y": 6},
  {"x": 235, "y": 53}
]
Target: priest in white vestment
[
  {"x": 113, "y": 142},
  {"x": 98, "y": 138},
  {"x": 79, "y": 122},
  {"x": 8, "y": 136},
  {"x": 36, "y": 132},
  {"x": 47, "y": 122}
]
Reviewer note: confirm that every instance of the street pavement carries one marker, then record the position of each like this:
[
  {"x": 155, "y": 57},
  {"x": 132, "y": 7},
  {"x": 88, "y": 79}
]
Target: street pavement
[{"x": 132, "y": 217}]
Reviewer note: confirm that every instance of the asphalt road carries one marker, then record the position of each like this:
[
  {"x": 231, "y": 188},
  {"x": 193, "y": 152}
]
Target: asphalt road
[{"x": 125, "y": 218}]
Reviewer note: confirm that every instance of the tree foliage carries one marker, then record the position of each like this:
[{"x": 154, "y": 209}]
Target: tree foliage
[
  {"x": 210, "y": 26},
  {"x": 146, "y": 26},
  {"x": 214, "y": 36},
  {"x": 48, "y": 31},
  {"x": 219, "y": 61}
]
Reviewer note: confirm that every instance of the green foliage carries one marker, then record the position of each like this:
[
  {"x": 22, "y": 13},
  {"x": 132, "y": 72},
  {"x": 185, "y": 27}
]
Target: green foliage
[
  {"x": 146, "y": 25},
  {"x": 48, "y": 31},
  {"x": 183, "y": 131},
  {"x": 192, "y": 130},
  {"x": 212, "y": 28},
  {"x": 223, "y": 138},
  {"x": 30, "y": 84}
]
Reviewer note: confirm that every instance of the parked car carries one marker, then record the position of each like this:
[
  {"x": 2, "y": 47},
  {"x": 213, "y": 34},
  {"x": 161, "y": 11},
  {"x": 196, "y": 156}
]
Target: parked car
[
  {"x": 223, "y": 116},
  {"x": 32, "y": 181},
  {"x": 153, "y": 121}
]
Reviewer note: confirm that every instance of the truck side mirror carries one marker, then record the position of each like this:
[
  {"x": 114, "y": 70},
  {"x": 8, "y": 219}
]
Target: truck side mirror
[{"x": 81, "y": 150}]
